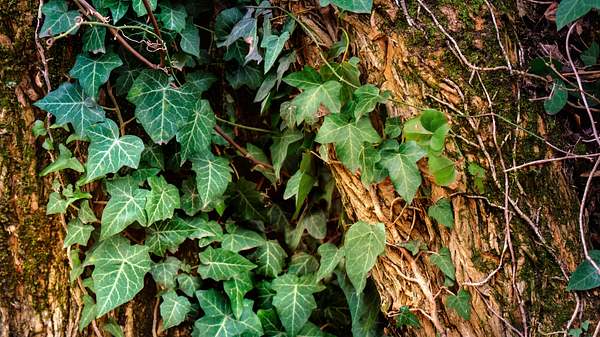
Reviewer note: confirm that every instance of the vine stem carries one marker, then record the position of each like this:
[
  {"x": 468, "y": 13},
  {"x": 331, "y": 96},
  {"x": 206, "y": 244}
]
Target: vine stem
[
  {"x": 156, "y": 30},
  {"x": 240, "y": 149},
  {"x": 91, "y": 11}
]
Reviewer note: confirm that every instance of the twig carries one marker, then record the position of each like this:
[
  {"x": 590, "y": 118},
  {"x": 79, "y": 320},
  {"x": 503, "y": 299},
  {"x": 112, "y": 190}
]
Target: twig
[
  {"x": 240, "y": 149},
  {"x": 117, "y": 110},
  {"x": 156, "y": 30},
  {"x": 498, "y": 36},
  {"x": 155, "y": 317},
  {"x": 242, "y": 126},
  {"x": 543, "y": 161},
  {"x": 597, "y": 330}
]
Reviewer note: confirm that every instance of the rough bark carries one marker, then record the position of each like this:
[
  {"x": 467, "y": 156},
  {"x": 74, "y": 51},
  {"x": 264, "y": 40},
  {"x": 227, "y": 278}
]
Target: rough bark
[{"x": 422, "y": 68}]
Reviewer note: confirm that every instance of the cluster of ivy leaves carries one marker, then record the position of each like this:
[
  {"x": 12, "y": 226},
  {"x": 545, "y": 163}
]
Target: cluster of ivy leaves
[
  {"x": 238, "y": 247},
  {"x": 585, "y": 277}
]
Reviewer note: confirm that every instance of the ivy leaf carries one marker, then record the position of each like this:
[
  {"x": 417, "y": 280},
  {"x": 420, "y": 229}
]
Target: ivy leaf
[
  {"x": 174, "y": 309},
  {"x": 108, "y": 152},
  {"x": 172, "y": 18},
  {"x": 250, "y": 322},
  {"x": 441, "y": 211},
  {"x": 303, "y": 264},
  {"x": 92, "y": 72},
  {"x": 118, "y": 8},
  {"x": 586, "y": 277},
  {"x": 407, "y": 318},
  {"x": 316, "y": 224},
  {"x": 64, "y": 161},
  {"x": 247, "y": 201},
  {"x": 217, "y": 320},
  {"x": 88, "y": 313},
  {"x": 119, "y": 270},
  {"x": 571, "y": 10},
  {"x": 93, "y": 39},
  {"x": 590, "y": 55},
  {"x": 442, "y": 170},
  {"x": 331, "y": 256},
  {"x": 298, "y": 186},
  {"x": 270, "y": 258},
  {"x": 307, "y": 78},
  {"x": 199, "y": 81},
  {"x": 461, "y": 303},
  {"x": 371, "y": 170},
  {"x": 162, "y": 200},
  {"x": 248, "y": 75},
  {"x": 443, "y": 260},
  {"x": 195, "y": 133},
  {"x": 362, "y": 245},
  {"x": 349, "y": 138},
  {"x": 140, "y": 9},
  {"x": 77, "y": 232},
  {"x": 241, "y": 239},
  {"x": 188, "y": 284},
  {"x": 270, "y": 322},
  {"x": 113, "y": 328},
  {"x": 403, "y": 170},
  {"x": 213, "y": 174},
  {"x": 221, "y": 264},
  {"x": 558, "y": 98},
  {"x": 57, "y": 18},
  {"x": 356, "y": 6},
  {"x": 414, "y": 246},
  {"x": 69, "y": 104},
  {"x": 294, "y": 300},
  {"x": 242, "y": 29},
  {"x": 164, "y": 272},
  {"x": 236, "y": 288},
  {"x": 279, "y": 149},
  {"x": 364, "y": 307},
  {"x": 168, "y": 235},
  {"x": 159, "y": 106},
  {"x": 86, "y": 214},
  {"x": 273, "y": 46},
  {"x": 367, "y": 97},
  {"x": 190, "y": 201},
  {"x": 310, "y": 100},
  {"x": 125, "y": 206},
  {"x": 190, "y": 39}
]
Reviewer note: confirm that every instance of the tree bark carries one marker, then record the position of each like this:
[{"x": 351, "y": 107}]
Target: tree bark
[{"x": 517, "y": 282}]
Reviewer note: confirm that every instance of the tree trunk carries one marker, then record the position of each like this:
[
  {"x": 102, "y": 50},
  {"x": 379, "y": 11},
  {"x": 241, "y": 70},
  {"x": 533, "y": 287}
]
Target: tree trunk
[
  {"x": 538, "y": 208},
  {"x": 438, "y": 62}
]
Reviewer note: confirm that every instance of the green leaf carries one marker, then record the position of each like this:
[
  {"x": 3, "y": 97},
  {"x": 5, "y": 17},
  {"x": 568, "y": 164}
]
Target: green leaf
[
  {"x": 298, "y": 186},
  {"x": 77, "y": 233},
  {"x": 590, "y": 55},
  {"x": 68, "y": 104},
  {"x": 362, "y": 245},
  {"x": 88, "y": 313},
  {"x": 273, "y": 46},
  {"x": 364, "y": 307},
  {"x": 93, "y": 39},
  {"x": 414, "y": 246},
  {"x": 140, "y": 9},
  {"x": 442, "y": 169},
  {"x": 571, "y": 10},
  {"x": 153, "y": 156},
  {"x": 113, "y": 328},
  {"x": 198, "y": 82},
  {"x": 357, "y": 6},
  {"x": 108, "y": 152},
  {"x": 558, "y": 98},
  {"x": 247, "y": 201},
  {"x": 218, "y": 320},
  {"x": 443, "y": 260},
  {"x": 195, "y": 133},
  {"x": 162, "y": 200},
  {"x": 281, "y": 144},
  {"x": 315, "y": 223},
  {"x": 86, "y": 214},
  {"x": 190, "y": 39},
  {"x": 248, "y": 75},
  {"x": 403, "y": 170},
  {"x": 64, "y": 161},
  {"x": 331, "y": 256},
  {"x": 213, "y": 174},
  {"x": 367, "y": 97},
  {"x": 118, "y": 8},
  {"x": 294, "y": 300},
  {"x": 119, "y": 270},
  {"x": 441, "y": 211},
  {"x": 242, "y": 239},
  {"x": 305, "y": 79},
  {"x": 270, "y": 258},
  {"x": 168, "y": 235},
  {"x": 164, "y": 272},
  {"x": 57, "y": 18},
  {"x": 586, "y": 277},
  {"x": 172, "y": 18},
  {"x": 242, "y": 29},
  {"x": 302, "y": 264},
  {"x": 92, "y": 72},
  {"x": 250, "y": 321},
  {"x": 221, "y": 264},
  {"x": 190, "y": 201},
  {"x": 461, "y": 303},
  {"x": 159, "y": 107},
  {"x": 349, "y": 138},
  {"x": 125, "y": 206},
  {"x": 188, "y": 284},
  {"x": 310, "y": 101},
  {"x": 236, "y": 288},
  {"x": 407, "y": 318},
  {"x": 270, "y": 322},
  {"x": 371, "y": 170},
  {"x": 174, "y": 309}
]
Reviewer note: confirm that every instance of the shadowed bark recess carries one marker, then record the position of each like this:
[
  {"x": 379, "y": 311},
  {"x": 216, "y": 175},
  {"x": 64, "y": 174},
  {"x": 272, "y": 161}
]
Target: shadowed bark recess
[{"x": 456, "y": 59}]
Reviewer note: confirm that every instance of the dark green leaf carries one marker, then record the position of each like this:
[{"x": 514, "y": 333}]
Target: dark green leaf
[{"x": 461, "y": 303}]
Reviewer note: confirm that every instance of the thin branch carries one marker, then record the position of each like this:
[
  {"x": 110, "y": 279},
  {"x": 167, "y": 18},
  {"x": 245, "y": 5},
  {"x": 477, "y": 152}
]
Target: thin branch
[
  {"x": 543, "y": 161},
  {"x": 240, "y": 149},
  {"x": 156, "y": 29}
]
